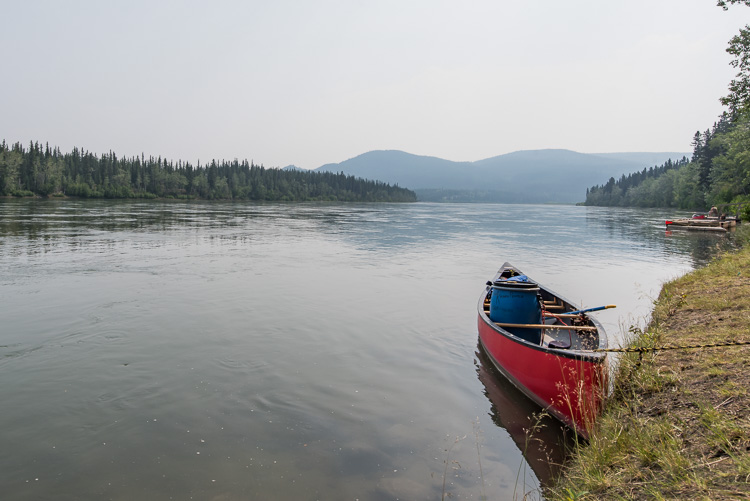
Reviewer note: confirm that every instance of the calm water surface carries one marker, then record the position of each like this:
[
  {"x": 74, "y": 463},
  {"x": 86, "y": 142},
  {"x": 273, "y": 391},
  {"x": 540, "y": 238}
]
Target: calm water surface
[{"x": 219, "y": 351}]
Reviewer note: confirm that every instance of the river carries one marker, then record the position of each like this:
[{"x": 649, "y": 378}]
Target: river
[{"x": 229, "y": 351}]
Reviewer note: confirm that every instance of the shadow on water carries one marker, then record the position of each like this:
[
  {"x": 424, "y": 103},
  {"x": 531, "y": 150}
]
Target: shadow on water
[
  {"x": 369, "y": 227},
  {"x": 646, "y": 228},
  {"x": 543, "y": 440},
  {"x": 35, "y": 218},
  {"x": 31, "y": 218},
  {"x": 703, "y": 246}
]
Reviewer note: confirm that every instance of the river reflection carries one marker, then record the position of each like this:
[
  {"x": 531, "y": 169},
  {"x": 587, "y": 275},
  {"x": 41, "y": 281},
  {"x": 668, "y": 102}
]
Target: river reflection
[
  {"x": 374, "y": 226},
  {"x": 542, "y": 440}
]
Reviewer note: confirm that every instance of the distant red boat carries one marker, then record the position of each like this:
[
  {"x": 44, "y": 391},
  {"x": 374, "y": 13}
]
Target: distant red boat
[
  {"x": 545, "y": 346},
  {"x": 702, "y": 223}
]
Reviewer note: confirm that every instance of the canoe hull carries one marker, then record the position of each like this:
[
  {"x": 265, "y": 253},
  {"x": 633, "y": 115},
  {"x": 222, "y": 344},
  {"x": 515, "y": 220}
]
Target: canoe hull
[
  {"x": 570, "y": 384},
  {"x": 706, "y": 224}
]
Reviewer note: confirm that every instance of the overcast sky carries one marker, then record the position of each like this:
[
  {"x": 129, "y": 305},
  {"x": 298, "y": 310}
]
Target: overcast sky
[{"x": 312, "y": 82}]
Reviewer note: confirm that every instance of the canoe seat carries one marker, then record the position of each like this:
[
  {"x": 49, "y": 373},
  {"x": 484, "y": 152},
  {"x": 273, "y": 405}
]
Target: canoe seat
[{"x": 560, "y": 344}]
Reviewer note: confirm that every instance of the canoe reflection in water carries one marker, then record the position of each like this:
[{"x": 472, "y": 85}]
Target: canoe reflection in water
[{"x": 543, "y": 440}]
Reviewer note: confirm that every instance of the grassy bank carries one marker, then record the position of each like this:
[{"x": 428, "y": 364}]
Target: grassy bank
[{"x": 678, "y": 423}]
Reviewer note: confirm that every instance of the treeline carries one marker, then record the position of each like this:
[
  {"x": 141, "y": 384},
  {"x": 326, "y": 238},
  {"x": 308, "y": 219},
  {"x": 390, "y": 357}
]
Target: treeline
[{"x": 43, "y": 171}]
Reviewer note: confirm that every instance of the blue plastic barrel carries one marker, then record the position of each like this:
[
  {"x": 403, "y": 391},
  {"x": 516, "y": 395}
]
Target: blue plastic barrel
[{"x": 517, "y": 303}]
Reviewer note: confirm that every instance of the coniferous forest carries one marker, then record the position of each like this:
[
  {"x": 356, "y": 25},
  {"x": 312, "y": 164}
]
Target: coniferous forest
[
  {"x": 719, "y": 170},
  {"x": 652, "y": 187},
  {"x": 43, "y": 171}
]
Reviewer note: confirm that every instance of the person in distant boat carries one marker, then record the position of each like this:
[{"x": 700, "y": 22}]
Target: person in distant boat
[{"x": 714, "y": 212}]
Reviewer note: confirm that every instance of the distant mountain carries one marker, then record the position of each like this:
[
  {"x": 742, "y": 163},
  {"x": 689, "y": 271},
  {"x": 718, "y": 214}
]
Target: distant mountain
[
  {"x": 392, "y": 166},
  {"x": 292, "y": 167},
  {"x": 535, "y": 176}
]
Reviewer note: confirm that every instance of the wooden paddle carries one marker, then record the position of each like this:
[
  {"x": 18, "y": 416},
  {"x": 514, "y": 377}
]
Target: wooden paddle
[{"x": 546, "y": 326}]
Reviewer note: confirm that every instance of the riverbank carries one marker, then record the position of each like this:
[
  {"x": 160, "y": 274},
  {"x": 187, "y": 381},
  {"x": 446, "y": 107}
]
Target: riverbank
[{"x": 677, "y": 425}]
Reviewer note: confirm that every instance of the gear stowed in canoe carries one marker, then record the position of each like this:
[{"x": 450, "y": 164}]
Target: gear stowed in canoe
[{"x": 544, "y": 345}]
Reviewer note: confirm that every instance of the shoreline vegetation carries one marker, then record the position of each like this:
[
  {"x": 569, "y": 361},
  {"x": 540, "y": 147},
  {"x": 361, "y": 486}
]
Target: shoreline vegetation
[
  {"x": 677, "y": 424},
  {"x": 41, "y": 171}
]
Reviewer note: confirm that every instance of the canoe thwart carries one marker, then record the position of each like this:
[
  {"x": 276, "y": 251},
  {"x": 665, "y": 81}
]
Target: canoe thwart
[{"x": 547, "y": 326}]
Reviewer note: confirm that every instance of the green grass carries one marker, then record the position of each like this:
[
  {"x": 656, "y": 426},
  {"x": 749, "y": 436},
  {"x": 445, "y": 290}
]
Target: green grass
[{"x": 676, "y": 425}]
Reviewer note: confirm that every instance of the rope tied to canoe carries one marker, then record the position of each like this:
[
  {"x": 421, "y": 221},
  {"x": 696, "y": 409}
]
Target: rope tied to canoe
[{"x": 643, "y": 349}]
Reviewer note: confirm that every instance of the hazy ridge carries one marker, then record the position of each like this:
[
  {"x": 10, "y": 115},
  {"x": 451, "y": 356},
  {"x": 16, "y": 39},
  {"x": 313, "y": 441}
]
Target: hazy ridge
[{"x": 536, "y": 176}]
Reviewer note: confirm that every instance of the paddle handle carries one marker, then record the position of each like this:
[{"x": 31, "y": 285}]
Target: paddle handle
[{"x": 596, "y": 308}]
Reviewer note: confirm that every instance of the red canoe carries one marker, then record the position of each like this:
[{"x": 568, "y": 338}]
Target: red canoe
[{"x": 544, "y": 347}]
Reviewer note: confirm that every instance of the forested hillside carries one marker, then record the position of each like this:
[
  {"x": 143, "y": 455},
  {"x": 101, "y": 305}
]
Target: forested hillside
[
  {"x": 652, "y": 187},
  {"x": 43, "y": 171},
  {"x": 719, "y": 170}
]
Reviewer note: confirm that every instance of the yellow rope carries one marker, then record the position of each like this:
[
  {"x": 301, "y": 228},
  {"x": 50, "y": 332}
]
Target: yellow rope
[{"x": 672, "y": 347}]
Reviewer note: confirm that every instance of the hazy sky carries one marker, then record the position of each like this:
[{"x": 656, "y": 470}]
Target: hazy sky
[{"x": 311, "y": 82}]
